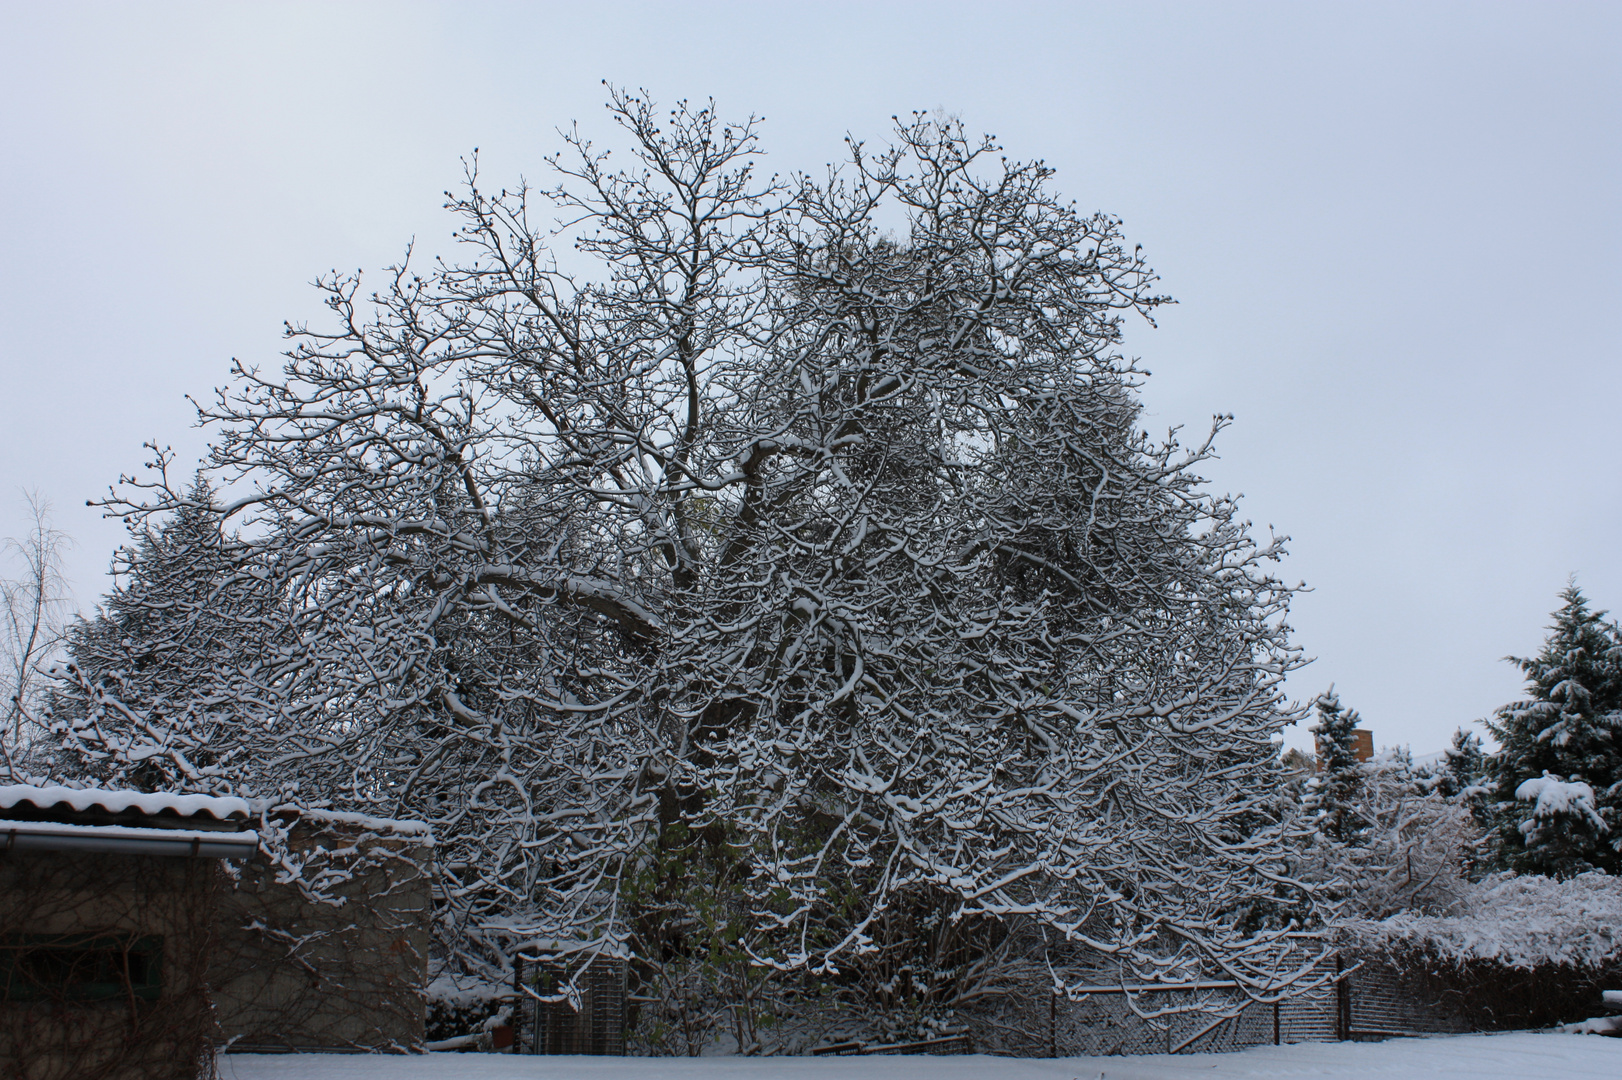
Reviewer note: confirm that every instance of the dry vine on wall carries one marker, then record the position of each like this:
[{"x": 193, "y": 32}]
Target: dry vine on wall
[
  {"x": 326, "y": 947},
  {"x": 103, "y": 966}
]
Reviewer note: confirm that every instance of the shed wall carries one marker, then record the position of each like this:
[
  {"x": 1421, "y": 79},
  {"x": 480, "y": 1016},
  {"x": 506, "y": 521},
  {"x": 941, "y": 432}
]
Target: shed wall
[
  {"x": 48, "y": 1035},
  {"x": 330, "y": 952}
]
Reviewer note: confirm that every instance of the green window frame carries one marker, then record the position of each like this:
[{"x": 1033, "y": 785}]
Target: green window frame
[{"x": 80, "y": 967}]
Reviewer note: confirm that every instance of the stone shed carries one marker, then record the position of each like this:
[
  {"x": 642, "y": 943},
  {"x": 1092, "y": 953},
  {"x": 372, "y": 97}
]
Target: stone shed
[
  {"x": 139, "y": 932},
  {"x": 108, "y": 908},
  {"x": 323, "y": 945}
]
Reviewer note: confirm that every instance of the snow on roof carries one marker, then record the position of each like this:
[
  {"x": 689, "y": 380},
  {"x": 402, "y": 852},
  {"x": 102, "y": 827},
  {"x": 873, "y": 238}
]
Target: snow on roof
[{"x": 24, "y": 797}]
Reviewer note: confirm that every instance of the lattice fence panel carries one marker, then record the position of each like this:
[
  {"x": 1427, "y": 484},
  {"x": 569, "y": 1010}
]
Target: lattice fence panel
[{"x": 590, "y": 1020}]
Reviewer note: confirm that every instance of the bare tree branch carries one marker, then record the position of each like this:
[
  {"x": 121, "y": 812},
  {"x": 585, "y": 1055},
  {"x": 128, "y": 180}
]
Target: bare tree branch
[{"x": 34, "y": 608}]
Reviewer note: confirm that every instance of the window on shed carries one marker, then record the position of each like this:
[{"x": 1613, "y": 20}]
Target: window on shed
[{"x": 80, "y": 967}]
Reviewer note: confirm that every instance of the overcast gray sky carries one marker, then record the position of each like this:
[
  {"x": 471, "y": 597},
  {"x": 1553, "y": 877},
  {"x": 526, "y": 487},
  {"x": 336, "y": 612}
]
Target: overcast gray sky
[{"x": 1393, "y": 231}]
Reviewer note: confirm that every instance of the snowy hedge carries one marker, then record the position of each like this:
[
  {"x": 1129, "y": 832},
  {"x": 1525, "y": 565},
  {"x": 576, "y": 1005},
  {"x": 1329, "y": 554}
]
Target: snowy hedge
[
  {"x": 463, "y": 1005},
  {"x": 1519, "y": 922}
]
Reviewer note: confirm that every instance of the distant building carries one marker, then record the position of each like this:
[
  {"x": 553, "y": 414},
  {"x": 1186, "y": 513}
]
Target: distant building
[
  {"x": 1362, "y": 744},
  {"x": 1298, "y": 763}
]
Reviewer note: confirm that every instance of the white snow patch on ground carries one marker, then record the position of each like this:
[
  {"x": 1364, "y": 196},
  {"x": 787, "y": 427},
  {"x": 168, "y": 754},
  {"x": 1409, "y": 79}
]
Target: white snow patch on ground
[{"x": 1510, "y": 1056}]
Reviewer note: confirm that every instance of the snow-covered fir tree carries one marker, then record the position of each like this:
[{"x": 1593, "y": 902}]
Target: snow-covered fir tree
[
  {"x": 1558, "y": 769},
  {"x": 797, "y": 589},
  {"x": 1464, "y": 766},
  {"x": 181, "y": 633},
  {"x": 1329, "y": 794}
]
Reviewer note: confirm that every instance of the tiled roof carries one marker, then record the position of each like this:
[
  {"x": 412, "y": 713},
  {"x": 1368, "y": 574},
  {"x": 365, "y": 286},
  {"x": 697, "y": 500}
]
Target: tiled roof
[{"x": 132, "y": 808}]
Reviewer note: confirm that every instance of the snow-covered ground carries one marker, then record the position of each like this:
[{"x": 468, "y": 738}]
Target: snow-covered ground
[{"x": 1511, "y": 1056}]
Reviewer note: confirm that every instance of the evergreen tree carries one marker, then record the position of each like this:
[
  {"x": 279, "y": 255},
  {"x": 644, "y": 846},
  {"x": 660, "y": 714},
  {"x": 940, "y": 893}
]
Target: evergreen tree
[
  {"x": 1464, "y": 765},
  {"x": 1464, "y": 779},
  {"x": 1569, "y": 732},
  {"x": 181, "y": 633},
  {"x": 1330, "y": 794}
]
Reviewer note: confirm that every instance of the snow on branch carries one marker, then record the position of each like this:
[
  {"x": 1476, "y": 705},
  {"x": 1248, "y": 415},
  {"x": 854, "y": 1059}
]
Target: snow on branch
[{"x": 1554, "y": 798}]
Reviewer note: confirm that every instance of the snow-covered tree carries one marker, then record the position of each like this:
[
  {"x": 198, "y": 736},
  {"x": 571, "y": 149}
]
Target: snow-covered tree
[
  {"x": 1464, "y": 766},
  {"x": 1385, "y": 837},
  {"x": 1411, "y": 847},
  {"x": 834, "y": 548},
  {"x": 1328, "y": 794},
  {"x": 1558, "y": 769},
  {"x": 181, "y": 634},
  {"x": 1389, "y": 839}
]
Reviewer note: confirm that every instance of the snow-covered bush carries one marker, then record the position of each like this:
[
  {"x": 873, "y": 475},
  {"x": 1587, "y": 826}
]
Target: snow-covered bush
[
  {"x": 1523, "y": 922},
  {"x": 1384, "y": 839},
  {"x": 459, "y": 1006}
]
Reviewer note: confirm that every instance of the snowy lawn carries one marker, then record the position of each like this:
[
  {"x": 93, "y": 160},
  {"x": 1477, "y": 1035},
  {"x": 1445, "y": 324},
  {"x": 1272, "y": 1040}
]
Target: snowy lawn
[{"x": 1511, "y": 1056}]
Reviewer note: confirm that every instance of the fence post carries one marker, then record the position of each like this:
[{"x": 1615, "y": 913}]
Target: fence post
[
  {"x": 517, "y": 1020},
  {"x": 1343, "y": 1001}
]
